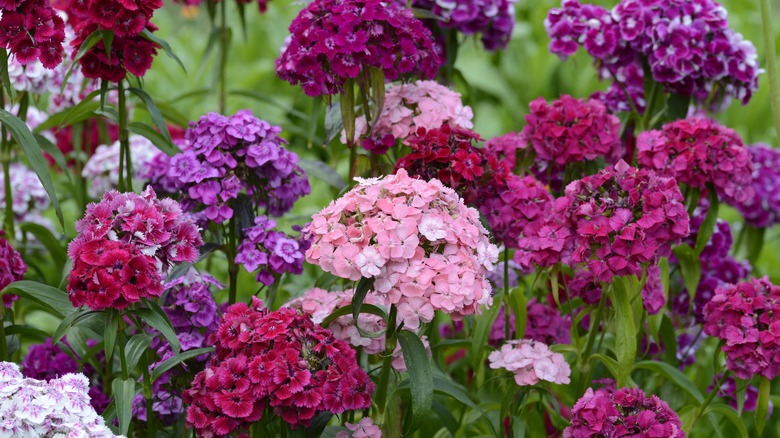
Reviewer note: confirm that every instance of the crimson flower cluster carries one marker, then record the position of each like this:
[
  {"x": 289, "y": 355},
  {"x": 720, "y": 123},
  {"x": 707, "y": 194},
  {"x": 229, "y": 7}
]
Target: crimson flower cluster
[
  {"x": 277, "y": 359},
  {"x": 126, "y": 245},
  {"x": 627, "y": 412},
  {"x": 271, "y": 251},
  {"x": 613, "y": 222},
  {"x": 744, "y": 315},
  {"x": 334, "y": 40},
  {"x": 697, "y": 152},
  {"x": 31, "y": 30},
  {"x": 12, "y": 268},
  {"x": 130, "y": 52}
]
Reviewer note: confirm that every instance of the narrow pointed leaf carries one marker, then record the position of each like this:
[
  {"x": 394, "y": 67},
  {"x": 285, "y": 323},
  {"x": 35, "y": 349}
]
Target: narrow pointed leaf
[
  {"x": 162, "y": 324},
  {"x": 124, "y": 392},
  {"x": 420, "y": 376},
  {"x": 136, "y": 347},
  {"x": 54, "y": 300},
  {"x": 177, "y": 359}
]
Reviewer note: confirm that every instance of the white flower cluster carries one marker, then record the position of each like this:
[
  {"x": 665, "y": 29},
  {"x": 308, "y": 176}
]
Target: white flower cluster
[
  {"x": 58, "y": 408},
  {"x": 102, "y": 169}
]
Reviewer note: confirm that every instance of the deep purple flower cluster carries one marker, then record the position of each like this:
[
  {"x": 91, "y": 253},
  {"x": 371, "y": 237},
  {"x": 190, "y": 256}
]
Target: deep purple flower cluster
[
  {"x": 744, "y": 315},
  {"x": 334, "y": 40},
  {"x": 270, "y": 251},
  {"x": 494, "y": 20},
  {"x": 31, "y": 30},
  {"x": 226, "y": 157},
  {"x": 728, "y": 390},
  {"x": 588, "y": 288},
  {"x": 12, "y": 268},
  {"x": 687, "y": 45},
  {"x": 544, "y": 323},
  {"x": 627, "y": 412},
  {"x": 763, "y": 209}
]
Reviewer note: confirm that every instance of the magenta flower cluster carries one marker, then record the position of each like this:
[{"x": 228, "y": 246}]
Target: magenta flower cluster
[
  {"x": 613, "y": 222},
  {"x": 744, "y": 316},
  {"x": 335, "y": 40},
  {"x": 686, "y": 44},
  {"x": 763, "y": 208},
  {"x": 415, "y": 238},
  {"x": 271, "y": 252},
  {"x": 626, "y": 412},
  {"x": 493, "y": 20},
  {"x": 226, "y": 157},
  {"x": 12, "y": 268},
  {"x": 279, "y": 360},
  {"x": 531, "y": 362},
  {"x": 544, "y": 323},
  {"x": 126, "y": 245}
]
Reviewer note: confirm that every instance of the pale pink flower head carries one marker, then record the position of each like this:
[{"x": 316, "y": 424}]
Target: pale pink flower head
[
  {"x": 531, "y": 362},
  {"x": 365, "y": 428}
]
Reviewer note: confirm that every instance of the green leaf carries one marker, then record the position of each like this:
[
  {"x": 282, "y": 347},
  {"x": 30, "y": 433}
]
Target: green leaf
[
  {"x": 26, "y": 330},
  {"x": 669, "y": 340},
  {"x": 377, "y": 91},
  {"x": 54, "y": 300},
  {"x": 482, "y": 330},
  {"x": 673, "y": 375},
  {"x": 157, "y": 139},
  {"x": 154, "y": 112},
  {"x": 177, "y": 359},
  {"x": 347, "y": 106},
  {"x": 333, "y": 122},
  {"x": 123, "y": 392},
  {"x": 731, "y": 415},
  {"x": 4, "y": 78},
  {"x": 136, "y": 347},
  {"x": 81, "y": 316},
  {"x": 348, "y": 310},
  {"x": 53, "y": 245},
  {"x": 110, "y": 332},
  {"x": 161, "y": 323},
  {"x": 32, "y": 151},
  {"x": 677, "y": 106},
  {"x": 323, "y": 172},
  {"x": 762, "y": 406},
  {"x": 89, "y": 42},
  {"x": 625, "y": 328},
  {"x": 690, "y": 267},
  {"x": 754, "y": 241},
  {"x": 165, "y": 46},
  {"x": 611, "y": 364},
  {"x": 172, "y": 114},
  {"x": 363, "y": 286},
  {"x": 708, "y": 226},
  {"x": 56, "y": 154},
  {"x": 420, "y": 376},
  {"x": 82, "y": 111},
  {"x": 519, "y": 306}
]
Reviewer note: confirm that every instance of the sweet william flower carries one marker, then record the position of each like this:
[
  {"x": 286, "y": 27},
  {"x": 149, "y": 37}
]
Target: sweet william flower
[
  {"x": 763, "y": 208},
  {"x": 31, "y": 30},
  {"x": 365, "y": 428},
  {"x": 493, "y": 20},
  {"x": 12, "y": 268},
  {"x": 531, "y": 362}
]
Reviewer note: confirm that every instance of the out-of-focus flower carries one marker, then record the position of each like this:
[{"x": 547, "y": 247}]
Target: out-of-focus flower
[{"x": 102, "y": 168}]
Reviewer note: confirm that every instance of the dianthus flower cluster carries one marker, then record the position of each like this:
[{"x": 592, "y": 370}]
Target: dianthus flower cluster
[
  {"x": 31, "y": 30},
  {"x": 613, "y": 222},
  {"x": 30, "y": 199},
  {"x": 12, "y": 268},
  {"x": 512, "y": 203},
  {"x": 47, "y": 361},
  {"x": 763, "y": 208},
  {"x": 415, "y": 238},
  {"x": 102, "y": 168},
  {"x": 531, "y": 362},
  {"x": 697, "y": 152},
  {"x": 570, "y": 130},
  {"x": 407, "y": 107},
  {"x": 494, "y": 20},
  {"x": 279, "y": 360},
  {"x": 729, "y": 388},
  {"x": 224, "y": 158},
  {"x": 270, "y": 251},
  {"x": 335, "y": 40},
  {"x": 131, "y": 52},
  {"x": 743, "y": 315},
  {"x": 514, "y": 153},
  {"x": 59, "y": 407},
  {"x": 544, "y": 323},
  {"x": 365, "y": 428},
  {"x": 125, "y": 246},
  {"x": 687, "y": 45},
  {"x": 626, "y": 412}
]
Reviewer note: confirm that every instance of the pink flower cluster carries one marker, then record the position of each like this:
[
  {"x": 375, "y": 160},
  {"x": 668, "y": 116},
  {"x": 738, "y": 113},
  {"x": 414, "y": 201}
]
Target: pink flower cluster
[
  {"x": 31, "y": 30},
  {"x": 744, "y": 315},
  {"x": 531, "y": 362},
  {"x": 365, "y": 428},
  {"x": 12, "y": 268},
  {"x": 698, "y": 151},
  {"x": 407, "y": 107},
  {"x": 126, "y": 245},
  {"x": 626, "y": 412},
  {"x": 334, "y": 40},
  {"x": 280, "y": 360},
  {"x": 415, "y": 238},
  {"x": 511, "y": 204},
  {"x": 614, "y": 222}
]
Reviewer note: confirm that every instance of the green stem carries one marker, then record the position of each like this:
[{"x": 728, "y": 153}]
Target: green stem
[
  {"x": 771, "y": 61},
  {"x": 387, "y": 365},
  {"x": 124, "y": 144},
  {"x": 709, "y": 398},
  {"x": 148, "y": 394},
  {"x": 3, "y": 346},
  {"x": 507, "y": 320},
  {"x": 121, "y": 342},
  {"x": 594, "y": 327},
  {"x": 231, "y": 255},
  {"x": 224, "y": 41},
  {"x": 5, "y": 150}
]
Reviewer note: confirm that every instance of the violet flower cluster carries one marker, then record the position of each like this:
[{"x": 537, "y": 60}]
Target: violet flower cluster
[
  {"x": 493, "y": 20},
  {"x": 744, "y": 316},
  {"x": 102, "y": 168},
  {"x": 224, "y": 158},
  {"x": 531, "y": 362},
  {"x": 336, "y": 40},
  {"x": 415, "y": 238},
  {"x": 271, "y": 252},
  {"x": 544, "y": 324},
  {"x": 687, "y": 45},
  {"x": 625, "y": 412},
  {"x": 12, "y": 268},
  {"x": 762, "y": 210}
]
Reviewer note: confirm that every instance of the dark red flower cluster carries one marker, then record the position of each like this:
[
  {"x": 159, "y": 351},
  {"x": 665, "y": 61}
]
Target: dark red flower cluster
[
  {"x": 334, "y": 40},
  {"x": 278, "y": 359},
  {"x": 31, "y": 30},
  {"x": 698, "y": 151},
  {"x": 744, "y": 315},
  {"x": 127, "y": 19},
  {"x": 126, "y": 245}
]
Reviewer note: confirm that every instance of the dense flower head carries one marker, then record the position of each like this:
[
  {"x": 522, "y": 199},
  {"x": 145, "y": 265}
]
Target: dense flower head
[
  {"x": 31, "y": 30},
  {"x": 407, "y": 107},
  {"x": 544, "y": 323},
  {"x": 30, "y": 199},
  {"x": 415, "y": 238},
  {"x": 225, "y": 158},
  {"x": 697, "y": 152},
  {"x": 335, "y": 40},
  {"x": 531, "y": 362},
  {"x": 59, "y": 407},
  {"x": 126, "y": 245},
  {"x": 365, "y": 428},
  {"x": 12, "y": 268},
  {"x": 743, "y": 315},
  {"x": 510, "y": 204},
  {"x": 271, "y": 252},
  {"x": 613, "y": 222},
  {"x": 102, "y": 168},
  {"x": 686, "y": 44},
  {"x": 763, "y": 208},
  {"x": 625, "y": 412},
  {"x": 278, "y": 360},
  {"x": 494, "y": 20},
  {"x": 569, "y": 130}
]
